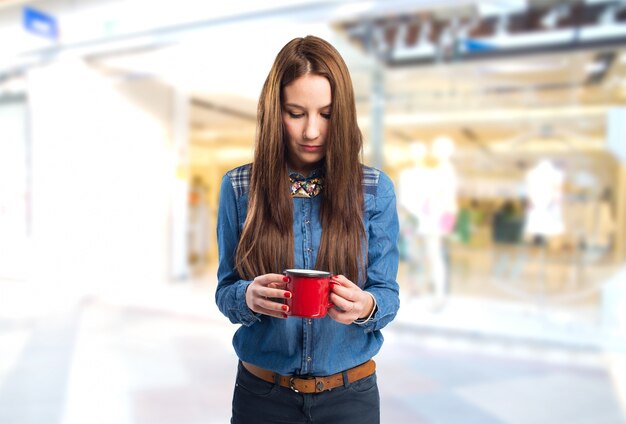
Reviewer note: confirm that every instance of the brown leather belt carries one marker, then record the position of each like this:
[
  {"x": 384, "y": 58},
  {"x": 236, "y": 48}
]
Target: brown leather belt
[{"x": 313, "y": 384}]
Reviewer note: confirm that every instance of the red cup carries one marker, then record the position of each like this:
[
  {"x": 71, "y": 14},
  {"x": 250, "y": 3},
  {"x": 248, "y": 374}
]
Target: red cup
[{"x": 310, "y": 291}]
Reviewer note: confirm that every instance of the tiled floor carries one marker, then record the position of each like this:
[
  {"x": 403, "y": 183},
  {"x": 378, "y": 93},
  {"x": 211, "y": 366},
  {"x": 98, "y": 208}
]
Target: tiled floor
[{"x": 164, "y": 357}]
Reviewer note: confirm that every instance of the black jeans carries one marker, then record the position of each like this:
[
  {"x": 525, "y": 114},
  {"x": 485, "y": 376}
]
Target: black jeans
[{"x": 256, "y": 401}]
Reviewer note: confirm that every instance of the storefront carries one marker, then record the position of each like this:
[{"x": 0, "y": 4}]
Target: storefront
[{"x": 529, "y": 202}]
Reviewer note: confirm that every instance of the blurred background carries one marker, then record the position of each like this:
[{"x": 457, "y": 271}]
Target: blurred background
[{"x": 502, "y": 124}]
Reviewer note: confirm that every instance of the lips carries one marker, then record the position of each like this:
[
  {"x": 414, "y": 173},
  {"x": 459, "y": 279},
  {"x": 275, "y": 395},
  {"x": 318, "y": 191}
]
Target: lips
[{"x": 307, "y": 148}]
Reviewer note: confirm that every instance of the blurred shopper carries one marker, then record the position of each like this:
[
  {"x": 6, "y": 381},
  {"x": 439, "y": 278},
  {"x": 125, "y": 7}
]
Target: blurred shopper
[{"x": 307, "y": 202}]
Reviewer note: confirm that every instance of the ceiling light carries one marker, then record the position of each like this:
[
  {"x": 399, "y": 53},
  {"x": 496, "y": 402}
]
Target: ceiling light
[
  {"x": 521, "y": 67},
  {"x": 501, "y": 7},
  {"x": 351, "y": 10}
]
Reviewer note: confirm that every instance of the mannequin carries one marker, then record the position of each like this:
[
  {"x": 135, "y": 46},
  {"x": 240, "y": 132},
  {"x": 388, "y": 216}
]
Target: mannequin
[
  {"x": 415, "y": 176},
  {"x": 544, "y": 185},
  {"x": 544, "y": 220},
  {"x": 428, "y": 192},
  {"x": 410, "y": 200}
]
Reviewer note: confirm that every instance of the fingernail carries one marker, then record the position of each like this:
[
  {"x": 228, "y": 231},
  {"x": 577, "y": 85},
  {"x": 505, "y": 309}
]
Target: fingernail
[
  {"x": 286, "y": 279},
  {"x": 288, "y": 295},
  {"x": 285, "y": 316},
  {"x": 284, "y": 307}
]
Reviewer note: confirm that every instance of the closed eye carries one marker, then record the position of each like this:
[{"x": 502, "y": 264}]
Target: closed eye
[
  {"x": 326, "y": 116},
  {"x": 296, "y": 115}
]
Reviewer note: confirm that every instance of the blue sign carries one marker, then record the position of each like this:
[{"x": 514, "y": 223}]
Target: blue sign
[
  {"x": 40, "y": 23},
  {"x": 472, "y": 45}
]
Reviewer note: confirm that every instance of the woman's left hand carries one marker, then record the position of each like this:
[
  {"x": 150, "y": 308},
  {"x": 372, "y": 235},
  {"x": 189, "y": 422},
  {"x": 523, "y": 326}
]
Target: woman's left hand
[{"x": 350, "y": 301}]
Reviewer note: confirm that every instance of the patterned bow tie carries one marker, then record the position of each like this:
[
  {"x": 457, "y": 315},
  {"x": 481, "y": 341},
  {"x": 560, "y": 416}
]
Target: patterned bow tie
[{"x": 305, "y": 187}]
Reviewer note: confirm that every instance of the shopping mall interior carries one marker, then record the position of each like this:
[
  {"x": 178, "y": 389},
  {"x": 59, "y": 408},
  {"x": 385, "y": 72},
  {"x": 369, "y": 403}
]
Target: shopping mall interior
[{"x": 501, "y": 123}]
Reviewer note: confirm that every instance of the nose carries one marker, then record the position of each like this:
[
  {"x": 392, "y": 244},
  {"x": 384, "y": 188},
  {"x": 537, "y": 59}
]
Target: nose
[{"x": 312, "y": 130}]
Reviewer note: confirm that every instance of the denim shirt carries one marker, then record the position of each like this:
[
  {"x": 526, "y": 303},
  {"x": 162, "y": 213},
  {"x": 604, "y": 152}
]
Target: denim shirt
[{"x": 300, "y": 346}]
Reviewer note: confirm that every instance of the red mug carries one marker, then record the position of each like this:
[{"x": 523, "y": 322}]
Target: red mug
[{"x": 310, "y": 291}]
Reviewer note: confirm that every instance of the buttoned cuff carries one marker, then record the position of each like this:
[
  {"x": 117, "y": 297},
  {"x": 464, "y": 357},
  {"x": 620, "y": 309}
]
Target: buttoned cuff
[{"x": 247, "y": 317}]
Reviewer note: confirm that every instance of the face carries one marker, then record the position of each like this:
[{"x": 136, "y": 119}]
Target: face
[{"x": 306, "y": 115}]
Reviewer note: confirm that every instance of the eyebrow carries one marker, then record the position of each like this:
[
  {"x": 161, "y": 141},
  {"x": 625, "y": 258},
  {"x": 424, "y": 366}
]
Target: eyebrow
[{"x": 302, "y": 107}]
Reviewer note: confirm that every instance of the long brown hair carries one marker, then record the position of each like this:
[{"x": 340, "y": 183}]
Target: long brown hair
[{"x": 266, "y": 243}]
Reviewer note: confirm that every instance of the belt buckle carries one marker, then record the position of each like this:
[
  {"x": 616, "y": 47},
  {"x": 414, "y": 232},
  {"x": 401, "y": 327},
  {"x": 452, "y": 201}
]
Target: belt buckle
[
  {"x": 291, "y": 382},
  {"x": 291, "y": 386}
]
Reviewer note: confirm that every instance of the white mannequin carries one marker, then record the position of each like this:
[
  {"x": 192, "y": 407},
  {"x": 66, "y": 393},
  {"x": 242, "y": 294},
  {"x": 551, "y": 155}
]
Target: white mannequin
[
  {"x": 544, "y": 217},
  {"x": 544, "y": 184},
  {"x": 412, "y": 178},
  {"x": 428, "y": 192},
  {"x": 410, "y": 200}
]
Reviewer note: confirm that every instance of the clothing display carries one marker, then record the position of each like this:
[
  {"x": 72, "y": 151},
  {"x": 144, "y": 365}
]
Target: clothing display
[
  {"x": 507, "y": 225},
  {"x": 544, "y": 186},
  {"x": 428, "y": 193},
  {"x": 599, "y": 224}
]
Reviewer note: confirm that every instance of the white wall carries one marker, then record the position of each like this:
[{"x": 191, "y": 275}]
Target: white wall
[
  {"x": 13, "y": 190},
  {"x": 104, "y": 163}
]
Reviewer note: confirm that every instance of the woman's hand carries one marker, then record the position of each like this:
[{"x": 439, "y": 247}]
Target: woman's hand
[
  {"x": 350, "y": 301},
  {"x": 266, "y": 293}
]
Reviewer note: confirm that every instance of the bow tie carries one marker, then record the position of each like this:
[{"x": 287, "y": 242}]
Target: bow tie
[{"x": 305, "y": 187}]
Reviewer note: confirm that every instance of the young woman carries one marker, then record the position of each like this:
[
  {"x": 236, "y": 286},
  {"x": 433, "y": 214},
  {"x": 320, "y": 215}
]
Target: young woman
[{"x": 307, "y": 202}]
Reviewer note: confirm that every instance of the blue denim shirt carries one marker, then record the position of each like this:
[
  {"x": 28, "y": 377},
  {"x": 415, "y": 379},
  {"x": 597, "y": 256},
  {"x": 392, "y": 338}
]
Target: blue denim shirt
[{"x": 299, "y": 346}]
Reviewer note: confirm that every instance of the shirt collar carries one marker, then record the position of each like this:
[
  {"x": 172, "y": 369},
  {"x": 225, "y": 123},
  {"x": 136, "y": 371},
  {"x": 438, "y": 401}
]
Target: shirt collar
[{"x": 316, "y": 173}]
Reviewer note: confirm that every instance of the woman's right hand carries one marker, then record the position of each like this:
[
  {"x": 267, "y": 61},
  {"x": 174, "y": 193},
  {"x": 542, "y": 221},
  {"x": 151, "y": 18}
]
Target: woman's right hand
[{"x": 266, "y": 293}]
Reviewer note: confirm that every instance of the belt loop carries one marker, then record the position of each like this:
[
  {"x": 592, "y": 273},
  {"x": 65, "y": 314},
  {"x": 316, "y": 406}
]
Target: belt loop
[
  {"x": 346, "y": 381},
  {"x": 277, "y": 379}
]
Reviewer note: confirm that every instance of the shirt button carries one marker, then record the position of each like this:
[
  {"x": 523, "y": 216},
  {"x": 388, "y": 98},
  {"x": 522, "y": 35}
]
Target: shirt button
[
  {"x": 308, "y": 359},
  {"x": 309, "y": 321},
  {"x": 307, "y": 222}
]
